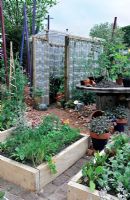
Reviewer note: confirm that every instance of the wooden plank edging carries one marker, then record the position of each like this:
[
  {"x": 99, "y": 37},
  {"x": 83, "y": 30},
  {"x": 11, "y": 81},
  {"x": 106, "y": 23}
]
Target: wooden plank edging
[
  {"x": 5, "y": 134},
  {"x": 63, "y": 160},
  {"x": 19, "y": 174}
]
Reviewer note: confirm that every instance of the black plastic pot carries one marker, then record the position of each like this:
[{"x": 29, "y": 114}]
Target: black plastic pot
[
  {"x": 126, "y": 82},
  {"x": 119, "y": 127},
  {"x": 82, "y": 82},
  {"x": 91, "y": 78},
  {"x": 99, "y": 144}
]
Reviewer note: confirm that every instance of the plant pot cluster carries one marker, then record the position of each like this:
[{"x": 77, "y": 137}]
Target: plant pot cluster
[
  {"x": 123, "y": 81},
  {"x": 103, "y": 126}
]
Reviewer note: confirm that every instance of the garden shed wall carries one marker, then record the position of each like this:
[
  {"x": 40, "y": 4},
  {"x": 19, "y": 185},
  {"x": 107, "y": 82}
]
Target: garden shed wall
[{"x": 59, "y": 55}]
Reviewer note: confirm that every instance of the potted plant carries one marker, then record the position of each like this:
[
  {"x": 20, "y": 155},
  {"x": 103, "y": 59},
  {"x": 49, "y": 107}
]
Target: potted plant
[
  {"x": 60, "y": 93},
  {"x": 86, "y": 82},
  {"x": 100, "y": 131},
  {"x": 121, "y": 118},
  {"x": 119, "y": 79}
]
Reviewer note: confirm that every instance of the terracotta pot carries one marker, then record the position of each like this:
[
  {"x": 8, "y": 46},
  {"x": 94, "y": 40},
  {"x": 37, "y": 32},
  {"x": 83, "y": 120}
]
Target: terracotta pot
[
  {"x": 122, "y": 121},
  {"x": 96, "y": 113},
  {"x": 119, "y": 81},
  {"x": 93, "y": 83},
  {"x": 99, "y": 141},
  {"x": 59, "y": 96},
  {"x": 103, "y": 136},
  {"x": 86, "y": 82}
]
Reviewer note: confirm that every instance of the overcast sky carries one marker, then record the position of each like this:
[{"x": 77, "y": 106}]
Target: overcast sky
[{"x": 80, "y": 15}]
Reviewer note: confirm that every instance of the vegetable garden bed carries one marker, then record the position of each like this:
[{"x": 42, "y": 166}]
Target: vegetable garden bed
[
  {"x": 35, "y": 179},
  {"x": 77, "y": 191},
  {"x": 33, "y": 157},
  {"x": 108, "y": 172}
]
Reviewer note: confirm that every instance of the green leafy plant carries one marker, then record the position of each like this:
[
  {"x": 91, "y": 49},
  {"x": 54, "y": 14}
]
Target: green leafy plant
[
  {"x": 112, "y": 59},
  {"x": 85, "y": 97},
  {"x": 126, "y": 73},
  {"x": 13, "y": 12},
  {"x": 120, "y": 112},
  {"x": 37, "y": 92},
  {"x": 92, "y": 171},
  {"x": 12, "y": 99},
  {"x": 51, "y": 164},
  {"x": 70, "y": 104},
  {"x": 2, "y": 195},
  {"x": 39, "y": 144},
  {"x": 116, "y": 142},
  {"x": 100, "y": 125},
  {"x": 110, "y": 172}
]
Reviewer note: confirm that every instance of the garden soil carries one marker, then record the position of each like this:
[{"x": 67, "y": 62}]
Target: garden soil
[{"x": 73, "y": 118}]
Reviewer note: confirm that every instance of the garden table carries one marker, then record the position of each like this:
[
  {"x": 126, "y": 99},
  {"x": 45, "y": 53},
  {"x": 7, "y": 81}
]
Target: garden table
[{"x": 109, "y": 96}]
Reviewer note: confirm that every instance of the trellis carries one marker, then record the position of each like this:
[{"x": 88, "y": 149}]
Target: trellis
[{"x": 61, "y": 55}]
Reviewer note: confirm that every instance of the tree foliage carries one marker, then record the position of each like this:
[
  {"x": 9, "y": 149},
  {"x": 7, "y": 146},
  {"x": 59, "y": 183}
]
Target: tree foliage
[
  {"x": 112, "y": 60},
  {"x": 104, "y": 31},
  {"x": 13, "y": 12}
]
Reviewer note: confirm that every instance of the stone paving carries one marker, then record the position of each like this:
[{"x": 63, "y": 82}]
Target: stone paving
[{"x": 56, "y": 190}]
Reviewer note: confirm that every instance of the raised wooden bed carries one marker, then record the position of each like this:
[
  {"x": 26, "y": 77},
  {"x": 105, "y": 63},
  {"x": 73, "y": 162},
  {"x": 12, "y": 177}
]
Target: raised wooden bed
[
  {"x": 77, "y": 191},
  {"x": 6, "y": 133},
  {"x": 35, "y": 179}
]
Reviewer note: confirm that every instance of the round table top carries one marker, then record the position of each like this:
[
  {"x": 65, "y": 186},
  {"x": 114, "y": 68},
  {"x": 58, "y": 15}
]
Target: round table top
[{"x": 116, "y": 90}]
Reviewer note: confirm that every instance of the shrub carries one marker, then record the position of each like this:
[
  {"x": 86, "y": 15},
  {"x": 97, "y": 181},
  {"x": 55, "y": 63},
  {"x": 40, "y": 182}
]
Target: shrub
[
  {"x": 85, "y": 97},
  {"x": 12, "y": 100}
]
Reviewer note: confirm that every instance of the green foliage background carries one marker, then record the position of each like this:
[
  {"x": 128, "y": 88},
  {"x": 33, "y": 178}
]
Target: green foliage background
[
  {"x": 13, "y": 13},
  {"x": 113, "y": 60}
]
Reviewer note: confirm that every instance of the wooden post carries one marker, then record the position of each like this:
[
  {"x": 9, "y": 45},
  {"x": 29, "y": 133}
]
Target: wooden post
[
  {"x": 34, "y": 61},
  {"x": 114, "y": 27},
  {"x": 4, "y": 43},
  {"x": 34, "y": 17},
  {"x": 66, "y": 68}
]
